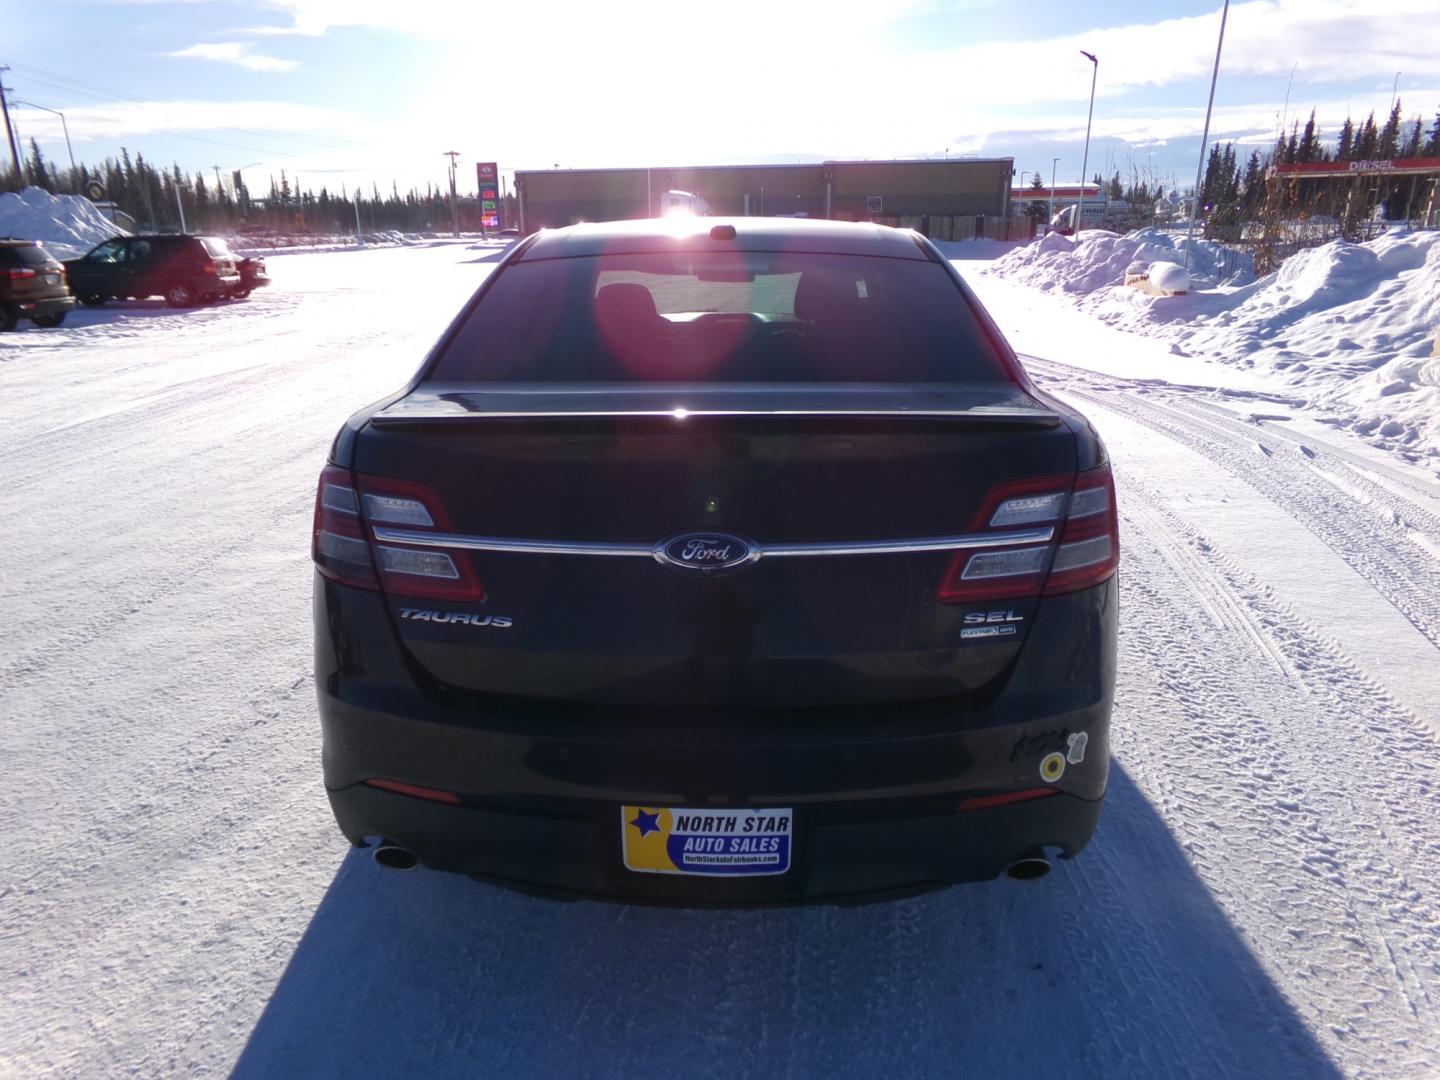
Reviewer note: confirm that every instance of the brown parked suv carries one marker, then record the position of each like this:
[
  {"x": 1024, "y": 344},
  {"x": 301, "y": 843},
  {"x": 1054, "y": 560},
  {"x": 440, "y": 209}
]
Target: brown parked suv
[{"x": 32, "y": 285}]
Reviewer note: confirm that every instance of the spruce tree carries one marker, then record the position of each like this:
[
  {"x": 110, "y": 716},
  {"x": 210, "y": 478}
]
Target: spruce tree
[
  {"x": 1345, "y": 147},
  {"x": 1366, "y": 140},
  {"x": 1388, "y": 145},
  {"x": 38, "y": 169},
  {"x": 1309, "y": 142},
  {"x": 1038, "y": 207},
  {"x": 1414, "y": 139}
]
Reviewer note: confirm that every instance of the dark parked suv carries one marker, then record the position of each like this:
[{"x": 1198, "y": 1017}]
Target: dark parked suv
[
  {"x": 734, "y": 562},
  {"x": 32, "y": 285},
  {"x": 185, "y": 270}
]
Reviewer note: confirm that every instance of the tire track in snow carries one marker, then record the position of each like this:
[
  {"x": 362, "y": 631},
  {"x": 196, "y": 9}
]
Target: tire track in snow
[
  {"x": 1406, "y": 576},
  {"x": 1307, "y": 804},
  {"x": 1392, "y": 476},
  {"x": 122, "y": 589},
  {"x": 1352, "y": 479}
]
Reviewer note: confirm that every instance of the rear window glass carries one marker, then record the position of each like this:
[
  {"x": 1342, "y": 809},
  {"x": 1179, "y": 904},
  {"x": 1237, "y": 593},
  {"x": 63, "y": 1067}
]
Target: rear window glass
[
  {"x": 721, "y": 317},
  {"x": 23, "y": 255},
  {"x": 215, "y": 246}
]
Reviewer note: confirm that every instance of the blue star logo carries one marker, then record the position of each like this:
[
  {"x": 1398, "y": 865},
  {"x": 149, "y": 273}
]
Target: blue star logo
[{"x": 646, "y": 823}]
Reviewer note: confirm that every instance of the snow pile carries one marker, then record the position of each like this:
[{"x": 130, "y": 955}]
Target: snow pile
[
  {"x": 1098, "y": 258},
  {"x": 1168, "y": 277},
  {"x": 1354, "y": 325},
  {"x": 68, "y": 225}
]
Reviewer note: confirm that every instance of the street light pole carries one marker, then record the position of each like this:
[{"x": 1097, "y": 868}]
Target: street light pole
[
  {"x": 1205, "y": 136},
  {"x": 1053, "y": 163},
  {"x": 1085, "y": 161},
  {"x": 63, "y": 126}
]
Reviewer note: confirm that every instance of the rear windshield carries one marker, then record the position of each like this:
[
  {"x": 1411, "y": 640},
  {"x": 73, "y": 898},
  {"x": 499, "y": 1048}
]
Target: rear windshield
[
  {"x": 721, "y": 317},
  {"x": 215, "y": 246},
  {"x": 23, "y": 255}
]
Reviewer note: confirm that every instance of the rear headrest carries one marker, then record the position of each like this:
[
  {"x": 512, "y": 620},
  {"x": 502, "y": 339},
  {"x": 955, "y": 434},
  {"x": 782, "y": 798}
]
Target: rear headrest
[{"x": 625, "y": 305}]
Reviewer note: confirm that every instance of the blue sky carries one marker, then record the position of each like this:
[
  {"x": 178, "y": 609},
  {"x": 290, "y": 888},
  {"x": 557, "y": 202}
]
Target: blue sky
[{"x": 346, "y": 91}]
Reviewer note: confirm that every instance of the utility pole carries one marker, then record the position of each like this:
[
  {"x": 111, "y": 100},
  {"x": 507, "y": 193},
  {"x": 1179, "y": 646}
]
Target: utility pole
[
  {"x": 454, "y": 207},
  {"x": 1085, "y": 161},
  {"x": 10, "y": 131},
  {"x": 1205, "y": 136}
]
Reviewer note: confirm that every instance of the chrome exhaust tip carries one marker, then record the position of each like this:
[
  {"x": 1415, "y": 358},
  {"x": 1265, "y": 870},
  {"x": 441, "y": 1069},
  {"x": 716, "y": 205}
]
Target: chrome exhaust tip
[
  {"x": 392, "y": 857},
  {"x": 1030, "y": 868}
]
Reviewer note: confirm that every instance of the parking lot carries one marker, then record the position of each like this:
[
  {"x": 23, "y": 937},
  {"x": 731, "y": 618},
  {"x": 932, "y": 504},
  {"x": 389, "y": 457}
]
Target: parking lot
[{"x": 1261, "y": 899}]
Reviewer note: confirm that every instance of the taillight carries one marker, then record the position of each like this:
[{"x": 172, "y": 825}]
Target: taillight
[
  {"x": 19, "y": 275},
  {"x": 1008, "y": 571},
  {"x": 338, "y": 544},
  {"x": 1089, "y": 548},
  {"x": 416, "y": 569},
  {"x": 1018, "y": 563},
  {"x": 349, "y": 506}
]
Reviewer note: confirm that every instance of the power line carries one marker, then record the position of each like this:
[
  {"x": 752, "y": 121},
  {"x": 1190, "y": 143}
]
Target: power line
[
  {"x": 109, "y": 94},
  {"x": 113, "y": 96}
]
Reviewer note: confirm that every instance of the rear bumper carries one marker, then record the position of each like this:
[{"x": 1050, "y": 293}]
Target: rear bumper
[
  {"x": 843, "y": 853},
  {"x": 30, "y": 306},
  {"x": 877, "y": 792}
]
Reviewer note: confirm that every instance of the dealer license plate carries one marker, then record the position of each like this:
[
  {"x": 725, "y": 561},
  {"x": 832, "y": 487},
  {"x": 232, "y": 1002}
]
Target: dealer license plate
[{"x": 714, "y": 843}]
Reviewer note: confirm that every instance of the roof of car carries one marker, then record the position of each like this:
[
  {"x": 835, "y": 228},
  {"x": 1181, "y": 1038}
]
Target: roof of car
[{"x": 709, "y": 234}]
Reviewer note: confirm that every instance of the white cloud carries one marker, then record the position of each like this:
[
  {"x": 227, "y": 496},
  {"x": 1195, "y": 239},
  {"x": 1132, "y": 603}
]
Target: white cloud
[
  {"x": 1252, "y": 124},
  {"x": 235, "y": 52},
  {"x": 477, "y": 23},
  {"x": 129, "y": 119},
  {"x": 1327, "y": 41}
]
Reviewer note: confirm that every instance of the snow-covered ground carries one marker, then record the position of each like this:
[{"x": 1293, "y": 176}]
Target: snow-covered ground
[
  {"x": 1352, "y": 329},
  {"x": 1262, "y": 898}
]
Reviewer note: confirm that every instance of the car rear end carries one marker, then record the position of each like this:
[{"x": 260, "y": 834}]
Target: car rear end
[
  {"x": 740, "y": 565},
  {"x": 33, "y": 285},
  {"x": 217, "y": 269},
  {"x": 253, "y": 275}
]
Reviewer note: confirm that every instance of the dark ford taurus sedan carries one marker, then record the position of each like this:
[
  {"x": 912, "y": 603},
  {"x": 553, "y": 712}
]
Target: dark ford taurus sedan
[{"x": 718, "y": 562}]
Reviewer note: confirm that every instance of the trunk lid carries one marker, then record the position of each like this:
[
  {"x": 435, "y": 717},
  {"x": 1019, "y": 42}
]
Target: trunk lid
[{"x": 835, "y": 508}]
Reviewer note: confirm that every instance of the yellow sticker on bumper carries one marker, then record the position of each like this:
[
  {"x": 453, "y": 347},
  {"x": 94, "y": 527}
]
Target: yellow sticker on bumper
[{"x": 715, "y": 843}]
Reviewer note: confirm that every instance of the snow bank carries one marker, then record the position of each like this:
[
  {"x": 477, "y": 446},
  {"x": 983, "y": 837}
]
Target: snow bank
[
  {"x": 1098, "y": 258},
  {"x": 68, "y": 225},
  {"x": 1351, "y": 324}
]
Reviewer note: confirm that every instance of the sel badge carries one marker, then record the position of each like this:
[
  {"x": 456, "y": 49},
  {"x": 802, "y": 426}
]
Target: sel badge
[{"x": 734, "y": 843}]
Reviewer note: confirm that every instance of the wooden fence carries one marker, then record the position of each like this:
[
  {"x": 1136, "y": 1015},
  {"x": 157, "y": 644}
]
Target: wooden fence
[{"x": 969, "y": 226}]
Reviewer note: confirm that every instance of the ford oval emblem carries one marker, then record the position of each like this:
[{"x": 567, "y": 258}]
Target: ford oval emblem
[{"x": 706, "y": 551}]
